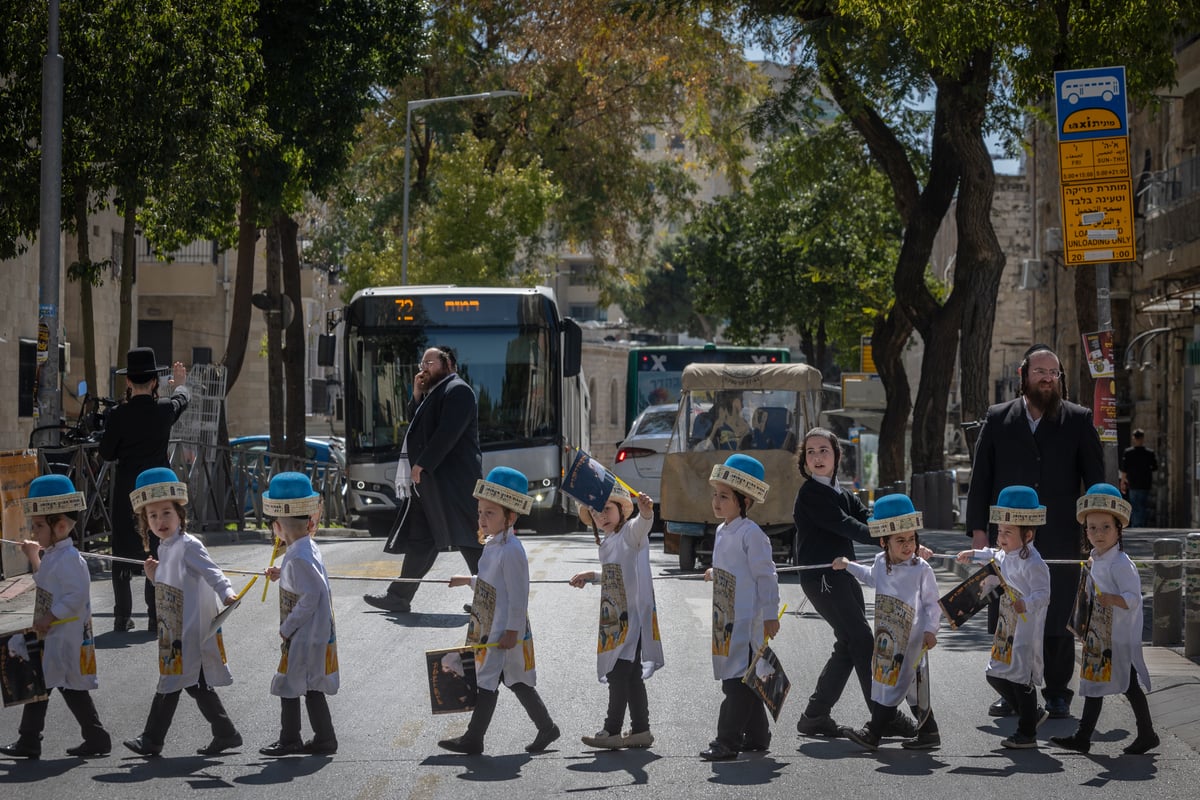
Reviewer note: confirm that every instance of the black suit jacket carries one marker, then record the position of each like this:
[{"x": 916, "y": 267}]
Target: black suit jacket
[{"x": 1061, "y": 460}]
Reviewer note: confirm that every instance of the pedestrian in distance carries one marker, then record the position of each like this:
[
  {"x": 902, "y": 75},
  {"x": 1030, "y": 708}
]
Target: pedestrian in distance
[
  {"x": 189, "y": 590},
  {"x": 745, "y": 605},
  {"x": 906, "y": 621},
  {"x": 829, "y": 520},
  {"x": 1138, "y": 464},
  {"x": 63, "y": 618},
  {"x": 629, "y": 649},
  {"x": 500, "y": 627},
  {"x": 1112, "y": 644},
  {"x": 1014, "y": 669},
  {"x": 136, "y": 435},
  {"x": 308, "y": 663}
]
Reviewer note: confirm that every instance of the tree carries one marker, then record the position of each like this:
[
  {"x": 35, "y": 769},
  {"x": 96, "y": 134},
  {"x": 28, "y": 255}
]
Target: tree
[{"x": 593, "y": 84}]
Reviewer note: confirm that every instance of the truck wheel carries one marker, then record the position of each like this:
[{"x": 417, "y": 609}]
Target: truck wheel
[{"x": 687, "y": 553}]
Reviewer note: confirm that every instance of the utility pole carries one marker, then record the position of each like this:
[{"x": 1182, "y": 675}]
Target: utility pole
[{"x": 49, "y": 390}]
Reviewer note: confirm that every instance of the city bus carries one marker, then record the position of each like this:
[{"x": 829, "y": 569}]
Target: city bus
[
  {"x": 521, "y": 357},
  {"x": 654, "y": 374}
]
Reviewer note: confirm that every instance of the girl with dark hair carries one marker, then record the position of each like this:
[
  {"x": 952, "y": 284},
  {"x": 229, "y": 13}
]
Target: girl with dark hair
[{"x": 828, "y": 523}]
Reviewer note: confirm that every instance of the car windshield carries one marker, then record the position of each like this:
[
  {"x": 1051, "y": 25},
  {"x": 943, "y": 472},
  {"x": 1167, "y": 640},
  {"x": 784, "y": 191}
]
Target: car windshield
[{"x": 656, "y": 423}]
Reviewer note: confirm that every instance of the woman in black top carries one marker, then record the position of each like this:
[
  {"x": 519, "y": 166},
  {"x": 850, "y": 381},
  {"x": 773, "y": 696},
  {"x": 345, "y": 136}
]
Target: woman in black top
[
  {"x": 828, "y": 523},
  {"x": 136, "y": 436}
]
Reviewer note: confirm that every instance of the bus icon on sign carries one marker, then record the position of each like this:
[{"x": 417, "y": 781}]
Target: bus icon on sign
[{"x": 1106, "y": 87}]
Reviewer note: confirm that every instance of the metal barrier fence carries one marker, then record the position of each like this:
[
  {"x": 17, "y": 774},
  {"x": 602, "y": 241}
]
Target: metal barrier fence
[{"x": 225, "y": 485}]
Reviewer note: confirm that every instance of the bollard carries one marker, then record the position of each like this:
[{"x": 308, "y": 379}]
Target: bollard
[
  {"x": 1168, "y": 593},
  {"x": 1191, "y": 637}
]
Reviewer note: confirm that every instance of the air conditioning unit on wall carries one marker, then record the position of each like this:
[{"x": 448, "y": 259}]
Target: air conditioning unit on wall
[{"x": 1033, "y": 274}]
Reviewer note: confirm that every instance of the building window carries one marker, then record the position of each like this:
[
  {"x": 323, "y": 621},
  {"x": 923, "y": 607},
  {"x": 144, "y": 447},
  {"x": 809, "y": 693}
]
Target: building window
[
  {"x": 676, "y": 141},
  {"x": 588, "y": 313},
  {"x": 649, "y": 140},
  {"x": 118, "y": 254},
  {"x": 614, "y": 402},
  {"x": 592, "y": 394}
]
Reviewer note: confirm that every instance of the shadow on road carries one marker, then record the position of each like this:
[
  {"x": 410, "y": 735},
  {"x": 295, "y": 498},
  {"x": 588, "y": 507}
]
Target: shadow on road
[
  {"x": 285, "y": 770},
  {"x": 633, "y": 762},
  {"x": 484, "y": 767},
  {"x": 420, "y": 620},
  {"x": 747, "y": 770}
]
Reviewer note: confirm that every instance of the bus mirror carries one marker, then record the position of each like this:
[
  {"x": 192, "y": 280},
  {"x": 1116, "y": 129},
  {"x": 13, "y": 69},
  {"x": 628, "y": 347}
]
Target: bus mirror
[
  {"x": 326, "y": 350},
  {"x": 572, "y": 348},
  {"x": 358, "y": 355},
  {"x": 338, "y": 409}
]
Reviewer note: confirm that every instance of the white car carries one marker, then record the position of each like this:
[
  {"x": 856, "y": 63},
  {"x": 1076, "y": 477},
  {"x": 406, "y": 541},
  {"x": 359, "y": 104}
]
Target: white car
[{"x": 640, "y": 457}]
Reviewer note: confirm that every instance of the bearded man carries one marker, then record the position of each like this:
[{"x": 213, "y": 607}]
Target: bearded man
[{"x": 1042, "y": 440}]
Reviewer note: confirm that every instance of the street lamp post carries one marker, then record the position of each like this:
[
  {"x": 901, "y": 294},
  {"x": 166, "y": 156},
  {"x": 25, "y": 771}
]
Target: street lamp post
[{"x": 408, "y": 148}]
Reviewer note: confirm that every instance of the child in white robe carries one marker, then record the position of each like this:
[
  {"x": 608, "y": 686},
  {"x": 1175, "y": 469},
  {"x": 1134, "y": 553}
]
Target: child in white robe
[
  {"x": 189, "y": 590},
  {"x": 629, "y": 649},
  {"x": 1112, "y": 661},
  {"x": 62, "y": 618},
  {"x": 1015, "y": 667},
  {"x": 308, "y": 666},
  {"x": 745, "y": 604},
  {"x": 907, "y": 616},
  {"x": 500, "y": 615}
]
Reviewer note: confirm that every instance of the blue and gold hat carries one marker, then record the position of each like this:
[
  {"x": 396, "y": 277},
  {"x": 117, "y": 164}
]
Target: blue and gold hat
[
  {"x": 52, "y": 494},
  {"x": 1017, "y": 505},
  {"x": 1103, "y": 497},
  {"x": 507, "y": 487},
  {"x": 290, "y": 494},
  {"x": 894, "y": 513},
  {"x": 154, "y": 485},
  {"x": 744, "y": 474}
]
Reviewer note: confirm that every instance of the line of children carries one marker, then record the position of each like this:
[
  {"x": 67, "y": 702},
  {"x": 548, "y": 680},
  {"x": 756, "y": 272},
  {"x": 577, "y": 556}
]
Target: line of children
[
  {"x": 629, "y": 649},
  {"x": 1015, "y": 667},
  {"x": 1112, "y": 661},
  {"x": 745, "y": 603},
  {"x": 308, "y": 665},
  {"x": 188, "y": 588},
  {"x": 500, "y": 614},
  {"x": 907, "y": 616},
  {"x": 62, "y": 617}
]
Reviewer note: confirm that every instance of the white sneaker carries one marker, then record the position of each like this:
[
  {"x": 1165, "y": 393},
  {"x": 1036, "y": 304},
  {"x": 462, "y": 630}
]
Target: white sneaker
[
  {"x": 605, "y": 740},
  {"x": 641, "y": 739}
]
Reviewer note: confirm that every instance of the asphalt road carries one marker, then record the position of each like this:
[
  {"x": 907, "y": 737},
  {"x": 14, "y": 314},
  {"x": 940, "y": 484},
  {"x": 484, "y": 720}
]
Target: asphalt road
[{"x": 388, "y": 735}]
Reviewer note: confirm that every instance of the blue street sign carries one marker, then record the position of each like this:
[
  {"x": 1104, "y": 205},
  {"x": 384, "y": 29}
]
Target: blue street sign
[{"x": 1091, "y": 103}]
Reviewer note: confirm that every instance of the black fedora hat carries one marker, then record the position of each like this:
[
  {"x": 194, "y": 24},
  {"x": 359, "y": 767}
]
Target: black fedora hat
[{"x": 140, "y": 365}]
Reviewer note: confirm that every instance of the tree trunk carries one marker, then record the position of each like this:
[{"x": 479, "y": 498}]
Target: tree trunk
[
  {"x": 275, "y": 396},
  {"x": 888, "y": 340},
  {"x": 929, "y": 411},
  {"x": 243, "y": 289},
  {"x": 128, "y": 276},
  {"x": 83, "y": 260},
  {"x": 294, "y": 351}
]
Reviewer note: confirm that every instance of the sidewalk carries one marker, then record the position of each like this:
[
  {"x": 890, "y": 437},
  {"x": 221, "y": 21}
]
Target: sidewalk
[{"x": 1175, "y": 698}]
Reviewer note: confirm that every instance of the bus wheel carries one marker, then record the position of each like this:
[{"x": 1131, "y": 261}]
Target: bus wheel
[{"x": 687, "y": 553}]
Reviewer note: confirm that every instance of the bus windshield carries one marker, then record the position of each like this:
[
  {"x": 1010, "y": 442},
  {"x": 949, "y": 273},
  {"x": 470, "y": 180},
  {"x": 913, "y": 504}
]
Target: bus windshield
[{"x": 511, "y": 369}]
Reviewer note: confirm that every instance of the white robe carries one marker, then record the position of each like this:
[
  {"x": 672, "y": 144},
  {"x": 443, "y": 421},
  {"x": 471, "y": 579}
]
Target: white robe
[
  {"x": 627, "y": 605},
  {"x": 502, "y": 603},
  {"x": 64, "y": 589},
  {"x": 308, "y": 660},
  {"x": 906, "y": 607},
  {"x": 743, "y": 571},
  {"x": 187, "y": 573},
  {"x": 1029, "y": 578},
  {"x": 1114, "y": 640}
]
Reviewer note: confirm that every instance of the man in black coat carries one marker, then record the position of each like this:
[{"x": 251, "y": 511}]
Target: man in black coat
[
  {"x": 444, "y": 459},
  {"x": 1047, "y": 442}
]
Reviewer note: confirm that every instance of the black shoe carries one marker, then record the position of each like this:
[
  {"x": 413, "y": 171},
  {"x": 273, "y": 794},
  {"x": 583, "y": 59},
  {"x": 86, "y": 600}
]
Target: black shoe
[
  {"x": 461, "y": 744},
  {"x": 863, "y": 737},
  {"x": 901, "y": 726},
  {"x": 122, "y": 624},
  {"x": 817, "y": 726},
  {"x": 1001, "y": 708},
  {"x": 1144, "y": 743},
  {"x": 220, "y": 744},
  {"x": 1059, "y": 708},
  {"x": 925, "y": 740},
  {"x": 320, "y": 747},
  {"x": 1073, "y": 742},
  {"x": 19, "y": 749},
  {"x": 718, "y": 752},
  {"x": 140, "y": 747},
  {"x": 90, "y": 749},
  {"x": 277, "y": 749},
  {"x": 388, "y": 602},
  {"x": 543, "y": 740}
]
